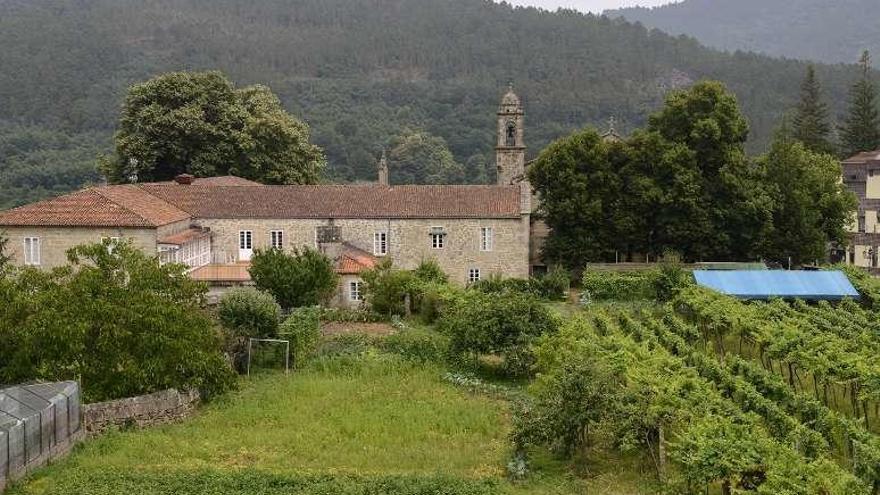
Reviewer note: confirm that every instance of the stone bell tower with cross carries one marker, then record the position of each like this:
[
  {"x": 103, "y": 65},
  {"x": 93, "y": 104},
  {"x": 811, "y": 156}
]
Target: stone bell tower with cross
[{"x": 510, "y": 151}]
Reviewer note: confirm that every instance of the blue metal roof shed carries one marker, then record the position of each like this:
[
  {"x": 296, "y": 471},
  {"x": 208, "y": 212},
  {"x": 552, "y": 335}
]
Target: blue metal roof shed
[{"x": 762, "y": 285}]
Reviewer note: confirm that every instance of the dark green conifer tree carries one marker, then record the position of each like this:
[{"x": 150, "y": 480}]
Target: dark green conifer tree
[
  {"x": 811, "y": 125},
  {"x": 861, "y": 131}
]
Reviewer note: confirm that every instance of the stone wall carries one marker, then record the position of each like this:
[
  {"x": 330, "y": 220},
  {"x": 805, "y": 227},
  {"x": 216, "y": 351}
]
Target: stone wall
[
  {"x": 147, "y": 410},
  {"x": 56, "y": 241},
  {"x": 409, "y": 241}
]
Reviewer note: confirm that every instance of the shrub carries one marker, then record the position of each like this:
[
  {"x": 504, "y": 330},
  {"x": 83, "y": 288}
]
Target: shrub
[
  {"x": 345, "y": 345},
  {"x": 503, "y": 324},
  {"x": 606, "y": 285},
  {"x": 248, "y": 312},
  {"x": 867, "y": 285},
  {"x": 552, "y": 286},
  {"x": 5, "y": 255},
  {"x": 116, "y": 320},
  {"x": 670, "y": 281},
  {"x": 434, "y": 298},
  {"x": 304, "y": 278},
  {"x": 430, "y": 272},
  {"x": 387, "y": 289},
  {"x": 303, "y": 329},
  {"x": 417, "y": 345},
  {"x": 253, "y": 482},
  {"x": 347, "y": 315}
]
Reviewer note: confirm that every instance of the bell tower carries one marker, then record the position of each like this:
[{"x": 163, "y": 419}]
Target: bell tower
[{"x": 510, "y": 151}]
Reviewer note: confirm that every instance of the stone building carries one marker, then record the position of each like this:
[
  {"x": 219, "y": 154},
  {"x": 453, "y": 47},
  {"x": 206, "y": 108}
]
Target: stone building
[
  {"x": 214, "y": 225},
  {"x": 861, "y": 175}
]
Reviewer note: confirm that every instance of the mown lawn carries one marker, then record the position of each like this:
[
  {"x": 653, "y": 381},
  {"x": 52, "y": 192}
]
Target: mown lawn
[{"x": 356, "y": 425}]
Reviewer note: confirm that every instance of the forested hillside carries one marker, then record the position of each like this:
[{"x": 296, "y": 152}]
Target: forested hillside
[
  {"x": 823, "y": 30},
  {"x": 362, "y": 73}
]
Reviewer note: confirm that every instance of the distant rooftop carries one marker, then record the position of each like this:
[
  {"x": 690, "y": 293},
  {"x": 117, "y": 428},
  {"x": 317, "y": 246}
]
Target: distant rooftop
[
  {"x": 864, "y": 157},
  {"x": 770, "y": 284}
]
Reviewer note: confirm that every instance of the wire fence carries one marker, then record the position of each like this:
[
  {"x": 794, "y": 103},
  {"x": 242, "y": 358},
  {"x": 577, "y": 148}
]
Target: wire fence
[{"x": 37, "y": 422}]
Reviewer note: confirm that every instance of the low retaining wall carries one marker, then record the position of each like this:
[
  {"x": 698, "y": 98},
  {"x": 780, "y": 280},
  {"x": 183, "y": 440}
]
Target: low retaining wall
[
  {"x": 38, "y": 423},
  {"x": 147, "y": 410},
  {"x": 41, "y": 422}
]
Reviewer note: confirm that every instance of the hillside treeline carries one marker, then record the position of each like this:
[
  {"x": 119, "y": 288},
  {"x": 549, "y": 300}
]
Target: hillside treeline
[{"x": 362, "y": 73}]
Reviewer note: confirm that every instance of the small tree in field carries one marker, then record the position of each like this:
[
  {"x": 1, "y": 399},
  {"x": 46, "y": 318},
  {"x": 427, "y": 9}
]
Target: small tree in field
[
  {"x": 248, "y": 312},
  {"x": 117, "y": 321},
  {"x": 303, "y": 278},
  {"x": 504, "y": 324}
]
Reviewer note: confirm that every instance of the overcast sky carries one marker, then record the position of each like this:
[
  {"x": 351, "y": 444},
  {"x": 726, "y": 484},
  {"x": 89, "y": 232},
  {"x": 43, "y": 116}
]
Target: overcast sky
[{"x": 588, "y": 5}]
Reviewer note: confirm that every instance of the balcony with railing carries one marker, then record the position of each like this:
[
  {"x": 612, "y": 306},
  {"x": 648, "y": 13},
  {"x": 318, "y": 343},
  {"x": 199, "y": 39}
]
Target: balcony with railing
[{"x": 191, "y": 247}]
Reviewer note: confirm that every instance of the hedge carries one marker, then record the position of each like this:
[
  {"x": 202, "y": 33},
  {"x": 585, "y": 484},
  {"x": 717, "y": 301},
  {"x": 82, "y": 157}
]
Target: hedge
[{"x": 112, "y": 481}]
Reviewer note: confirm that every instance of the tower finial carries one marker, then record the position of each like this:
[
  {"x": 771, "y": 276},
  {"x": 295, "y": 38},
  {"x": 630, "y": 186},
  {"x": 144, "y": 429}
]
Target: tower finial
[
  {"x": 383, "y": 170},
  {"x": 612, "y": 136}
]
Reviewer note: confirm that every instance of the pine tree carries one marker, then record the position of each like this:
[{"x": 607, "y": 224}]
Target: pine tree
[
  {"x": 861, "y": 131},
  {"x": 811, "y": 125}
]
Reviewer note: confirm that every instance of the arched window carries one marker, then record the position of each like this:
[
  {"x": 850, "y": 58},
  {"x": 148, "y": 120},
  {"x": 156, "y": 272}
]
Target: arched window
[{"x": 511, "y": 133}]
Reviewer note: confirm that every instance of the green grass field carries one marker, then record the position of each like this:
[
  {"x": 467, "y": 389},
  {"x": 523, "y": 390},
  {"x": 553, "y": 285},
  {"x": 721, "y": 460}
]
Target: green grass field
[{"x": 341, "y": 426}]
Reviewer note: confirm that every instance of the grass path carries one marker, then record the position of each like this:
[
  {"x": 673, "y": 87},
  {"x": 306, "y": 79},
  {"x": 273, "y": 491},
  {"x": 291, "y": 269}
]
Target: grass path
[{"x": 373, "y": 417}]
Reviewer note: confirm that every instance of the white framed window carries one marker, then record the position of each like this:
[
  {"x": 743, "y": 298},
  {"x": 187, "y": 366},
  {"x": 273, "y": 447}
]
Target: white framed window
[
  {"x": 487, "y": 239},
  {"x": 245, "y": 239},
  {"x": 354, "y": 291},
  {"x": 32, "y": 251},
  {"x": 380, "y": 243},
  {"x": 111, "y": 243},
  {"x": 276, "y": 239},
  {"x": 473, "y": 275},
  {"x": 438, "y": 238}
]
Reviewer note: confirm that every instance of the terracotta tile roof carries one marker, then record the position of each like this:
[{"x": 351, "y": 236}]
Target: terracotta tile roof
[
  {"x": 181, "y": 238},
  {"x": 157, "y": 204},
  {"x": 109, "y": 206},
  {"x": 226, "y": 180},
  {"x": 342, "y": 201},
  {"x": 353, "y": 261},
  {"x": 238, "y": 272},
  {"x": 154, "y": 210}
]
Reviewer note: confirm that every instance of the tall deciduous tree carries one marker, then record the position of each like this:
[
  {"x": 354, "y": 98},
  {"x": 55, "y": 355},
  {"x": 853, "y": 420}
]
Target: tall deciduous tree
[
  {"x": 580, "y": 189},
  {"x": 707, "y": 120},
  {"x": 682, "y": 185},
  {"x": 811, "y": 205},
  {"x": 199, "y": 123},
  {"x": 811, "y": 125},
  {"x": 861, "y": 131},
  {"x": 417, "y": 157}
]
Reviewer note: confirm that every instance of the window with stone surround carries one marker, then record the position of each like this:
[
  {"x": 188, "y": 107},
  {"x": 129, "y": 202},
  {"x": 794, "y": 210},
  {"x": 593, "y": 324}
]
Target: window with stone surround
[
  {"x": 276, "y": 239},
  {"x": 473, "y": 275},
  {"x": 32, "y": 251},
  {"x": 380, "y": 243},
  {"x": 354, "y": 291},
  {"x": 487, "y": 239},
  {"x": 438, "y": 238},
  {"x": 245, "y": 239}
]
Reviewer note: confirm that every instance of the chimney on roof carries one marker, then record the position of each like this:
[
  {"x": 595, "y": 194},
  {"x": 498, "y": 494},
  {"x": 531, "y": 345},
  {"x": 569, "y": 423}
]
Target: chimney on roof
[
  {"x": 383, "y": 170},
  {"x": 184, "y": 179}
]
